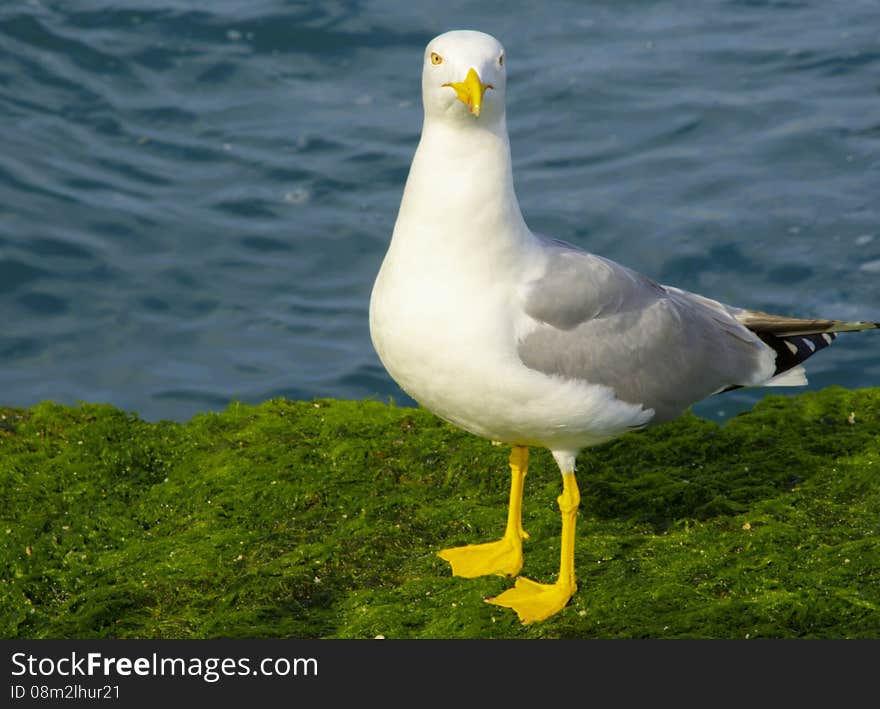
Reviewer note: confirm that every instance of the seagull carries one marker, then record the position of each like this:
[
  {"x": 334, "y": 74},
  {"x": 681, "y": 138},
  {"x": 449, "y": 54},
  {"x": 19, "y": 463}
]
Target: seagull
[{"x": 529, "y": 341}]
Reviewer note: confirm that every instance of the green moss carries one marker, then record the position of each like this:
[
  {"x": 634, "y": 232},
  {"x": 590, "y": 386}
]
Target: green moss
[{"x": 322, "y": 519}]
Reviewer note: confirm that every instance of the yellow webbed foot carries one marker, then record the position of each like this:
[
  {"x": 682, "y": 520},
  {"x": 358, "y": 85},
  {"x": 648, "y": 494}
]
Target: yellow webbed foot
[
  {"x": 503, "y": 557},
  {"x": 535, "y": 601}
]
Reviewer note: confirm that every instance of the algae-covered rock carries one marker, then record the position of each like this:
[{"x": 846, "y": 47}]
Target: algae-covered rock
[{"x": 322, "y": 519}]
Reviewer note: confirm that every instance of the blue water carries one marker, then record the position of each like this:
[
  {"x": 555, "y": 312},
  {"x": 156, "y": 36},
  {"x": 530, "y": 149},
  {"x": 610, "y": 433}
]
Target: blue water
[{"x": 195, "y": 197}]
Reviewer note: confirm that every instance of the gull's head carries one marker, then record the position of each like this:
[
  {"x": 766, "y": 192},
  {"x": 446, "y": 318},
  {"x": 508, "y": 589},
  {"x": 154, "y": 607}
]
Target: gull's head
[{"x": 464, "y": 77}]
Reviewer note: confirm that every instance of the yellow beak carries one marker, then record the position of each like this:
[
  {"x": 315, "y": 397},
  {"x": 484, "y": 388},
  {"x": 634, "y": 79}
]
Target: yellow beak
[{"x": 470, "y": 91}]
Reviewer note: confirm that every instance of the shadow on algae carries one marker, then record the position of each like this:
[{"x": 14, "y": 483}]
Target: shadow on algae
[{"x": 323, "y": 519}]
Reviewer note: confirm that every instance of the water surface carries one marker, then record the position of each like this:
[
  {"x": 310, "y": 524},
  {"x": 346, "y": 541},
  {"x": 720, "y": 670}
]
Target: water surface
[{"x": 195, "y": 197}]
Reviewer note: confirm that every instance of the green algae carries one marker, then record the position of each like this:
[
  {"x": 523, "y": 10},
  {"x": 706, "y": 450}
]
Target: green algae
[{"x": 322, "y": 519}]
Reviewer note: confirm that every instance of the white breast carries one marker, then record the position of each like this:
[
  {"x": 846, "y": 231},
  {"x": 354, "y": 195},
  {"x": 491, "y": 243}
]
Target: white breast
[{"x": 449, "y": 340}]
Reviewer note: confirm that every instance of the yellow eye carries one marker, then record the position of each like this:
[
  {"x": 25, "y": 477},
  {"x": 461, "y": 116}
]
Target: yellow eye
[
  {"x": 501, "y": 60},
  {"x": 436, "y": 58}
]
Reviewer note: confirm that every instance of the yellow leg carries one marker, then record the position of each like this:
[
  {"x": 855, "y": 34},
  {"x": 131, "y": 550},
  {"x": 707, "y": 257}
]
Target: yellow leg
[
  {"x": 534, "y": 601},
  {"x": 503, "y": 557}
]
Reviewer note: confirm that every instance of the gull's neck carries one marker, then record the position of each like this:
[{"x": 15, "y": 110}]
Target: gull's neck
[{"x": 459, "y": 195}]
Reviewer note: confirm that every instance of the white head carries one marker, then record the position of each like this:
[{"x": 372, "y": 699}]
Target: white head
[{"x": 464, "y": 77}]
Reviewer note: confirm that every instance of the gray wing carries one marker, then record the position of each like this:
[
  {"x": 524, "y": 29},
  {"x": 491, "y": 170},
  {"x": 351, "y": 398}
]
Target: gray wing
[{"x": 660, "y": 347}]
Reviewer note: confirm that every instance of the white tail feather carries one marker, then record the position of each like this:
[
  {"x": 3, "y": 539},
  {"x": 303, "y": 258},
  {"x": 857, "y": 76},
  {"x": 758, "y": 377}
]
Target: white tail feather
[{"x": 794, "y": 377}]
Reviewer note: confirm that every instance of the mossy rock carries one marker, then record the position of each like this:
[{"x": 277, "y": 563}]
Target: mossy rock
[{"x": 323, "y": 518}]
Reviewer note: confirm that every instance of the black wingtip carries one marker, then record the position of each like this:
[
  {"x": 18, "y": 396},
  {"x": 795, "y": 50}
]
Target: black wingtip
[{"x": 791, "y": 350}]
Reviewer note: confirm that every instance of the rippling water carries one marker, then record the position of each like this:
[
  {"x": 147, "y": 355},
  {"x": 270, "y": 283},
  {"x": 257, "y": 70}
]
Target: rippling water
[{"x": 195, "y": 197}]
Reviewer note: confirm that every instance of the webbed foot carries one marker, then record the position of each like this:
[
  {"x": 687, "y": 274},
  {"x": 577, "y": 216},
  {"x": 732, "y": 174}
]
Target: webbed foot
[
  {"x": 503, "y": 557},
  {"x": 535, "y": 601}
]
